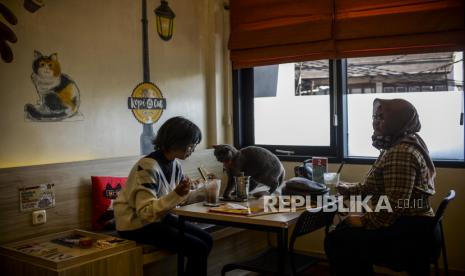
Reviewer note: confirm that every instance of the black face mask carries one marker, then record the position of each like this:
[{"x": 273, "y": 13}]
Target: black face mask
[{"x": 381, "y": 142}]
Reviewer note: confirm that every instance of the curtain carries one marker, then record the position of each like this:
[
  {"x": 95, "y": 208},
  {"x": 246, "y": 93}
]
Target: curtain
[{"x": 278, "y": 31}]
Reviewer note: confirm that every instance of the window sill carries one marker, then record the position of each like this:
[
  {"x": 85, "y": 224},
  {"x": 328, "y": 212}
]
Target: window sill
[
  {"x": 437, "y": 163},
  {"x": 369, "y": 161}
]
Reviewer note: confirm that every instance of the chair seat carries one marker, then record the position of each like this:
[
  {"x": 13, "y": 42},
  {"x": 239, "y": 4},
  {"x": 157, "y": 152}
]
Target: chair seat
[{"x": 268, "y": 260}]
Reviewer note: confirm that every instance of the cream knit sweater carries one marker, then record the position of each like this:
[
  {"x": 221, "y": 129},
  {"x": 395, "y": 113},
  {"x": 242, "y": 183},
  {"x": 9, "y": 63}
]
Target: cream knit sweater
[{"x": 147, "y": 196}]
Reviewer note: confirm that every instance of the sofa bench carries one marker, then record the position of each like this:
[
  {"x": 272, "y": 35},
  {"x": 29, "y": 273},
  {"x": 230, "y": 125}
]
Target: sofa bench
[{"x": 73, "y": 208}]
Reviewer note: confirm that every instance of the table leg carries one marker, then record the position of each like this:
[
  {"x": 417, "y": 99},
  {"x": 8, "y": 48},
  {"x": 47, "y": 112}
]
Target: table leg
[
  {"x": 282, "y": 249},
  {"x": 181, "y": 227}
]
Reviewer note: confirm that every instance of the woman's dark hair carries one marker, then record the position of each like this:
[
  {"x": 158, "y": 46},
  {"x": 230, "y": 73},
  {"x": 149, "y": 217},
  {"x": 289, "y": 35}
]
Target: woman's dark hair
[{"x": 177, "y": 132}]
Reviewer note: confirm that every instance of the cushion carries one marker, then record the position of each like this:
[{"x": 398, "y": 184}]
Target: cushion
[{"x": 104, "y": 190}]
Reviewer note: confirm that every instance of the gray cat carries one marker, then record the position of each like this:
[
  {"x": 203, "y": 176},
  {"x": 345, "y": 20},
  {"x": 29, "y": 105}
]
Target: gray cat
[{"x": 260, "y": 164}]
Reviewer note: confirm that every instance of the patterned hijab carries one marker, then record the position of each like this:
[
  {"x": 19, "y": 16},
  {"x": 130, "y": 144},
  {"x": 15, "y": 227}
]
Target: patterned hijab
[{"x": 400, "y": 124}]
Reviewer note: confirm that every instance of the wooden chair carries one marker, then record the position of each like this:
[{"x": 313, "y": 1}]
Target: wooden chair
[{"x": 439, "y": 227}]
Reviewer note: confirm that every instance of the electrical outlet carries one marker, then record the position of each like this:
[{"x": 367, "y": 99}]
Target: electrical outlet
[{"x": 39, "y": 217}]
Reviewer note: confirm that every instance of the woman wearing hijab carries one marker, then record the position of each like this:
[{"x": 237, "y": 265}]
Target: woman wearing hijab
[{"x": 404, "y": 173}]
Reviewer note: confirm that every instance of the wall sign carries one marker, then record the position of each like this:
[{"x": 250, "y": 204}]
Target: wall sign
[
  {"x": 147, "y": 103},
  {"x": 36, "y": 197}
]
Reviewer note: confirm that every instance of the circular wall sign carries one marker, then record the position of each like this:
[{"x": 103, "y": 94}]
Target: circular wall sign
[{"x": 147, "y": 103}]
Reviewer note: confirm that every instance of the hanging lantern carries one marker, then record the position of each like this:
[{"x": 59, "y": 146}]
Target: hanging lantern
[{"x": 165, "y": 17}]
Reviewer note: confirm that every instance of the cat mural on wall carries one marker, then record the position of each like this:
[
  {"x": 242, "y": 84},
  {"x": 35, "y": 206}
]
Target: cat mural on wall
[{"x": 59, "y": 96}]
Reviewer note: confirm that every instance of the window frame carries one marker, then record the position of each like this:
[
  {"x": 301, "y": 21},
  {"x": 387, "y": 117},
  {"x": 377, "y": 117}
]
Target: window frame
[
  {"x": 243, "y": 123},
  {"x": 243, "y": 107}
]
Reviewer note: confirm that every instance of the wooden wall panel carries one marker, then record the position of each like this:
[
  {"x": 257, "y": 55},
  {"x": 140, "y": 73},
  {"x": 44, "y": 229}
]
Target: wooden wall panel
[{"x": 73, "y": 193}]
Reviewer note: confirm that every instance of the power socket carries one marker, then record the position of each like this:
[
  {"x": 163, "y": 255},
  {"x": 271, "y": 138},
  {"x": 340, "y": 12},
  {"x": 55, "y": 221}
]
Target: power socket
[{"x": 39, "y": 217}]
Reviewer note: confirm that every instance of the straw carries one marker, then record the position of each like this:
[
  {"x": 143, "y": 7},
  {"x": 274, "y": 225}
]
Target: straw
[
  {"x": 340, "y": 167},
  {"x": 203, "y": 173}
]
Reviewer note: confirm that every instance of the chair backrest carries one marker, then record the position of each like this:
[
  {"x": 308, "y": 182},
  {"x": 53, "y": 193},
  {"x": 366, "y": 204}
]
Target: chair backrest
[
  {"x": 312, "y": 220},
  {"x": 438, "y": 242},
  {"x": 442, "y": 207}
]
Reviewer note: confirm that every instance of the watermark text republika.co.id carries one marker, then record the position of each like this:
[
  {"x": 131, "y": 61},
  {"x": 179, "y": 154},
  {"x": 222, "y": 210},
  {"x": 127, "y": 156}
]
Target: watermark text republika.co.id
[{"x": 331, "y": 203}]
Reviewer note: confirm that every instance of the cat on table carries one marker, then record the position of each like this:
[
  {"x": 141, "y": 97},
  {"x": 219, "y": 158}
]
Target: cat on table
[
  {"x": 260, "y": 164},
  {"x": 58, "y": 94}
]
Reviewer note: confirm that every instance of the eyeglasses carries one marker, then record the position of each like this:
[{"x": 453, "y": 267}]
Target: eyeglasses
[
  {"x": 191, "y": 148},
  {"x": 378, "y": 118}
]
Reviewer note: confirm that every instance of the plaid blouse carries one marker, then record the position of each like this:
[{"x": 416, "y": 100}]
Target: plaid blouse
[{"x": 401, "y": 174}]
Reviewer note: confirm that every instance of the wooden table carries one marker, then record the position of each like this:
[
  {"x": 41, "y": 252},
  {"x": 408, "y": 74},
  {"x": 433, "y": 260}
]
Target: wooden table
[
  {"x": 278, "y": 223},
  {"x": 30, "y": 257}
]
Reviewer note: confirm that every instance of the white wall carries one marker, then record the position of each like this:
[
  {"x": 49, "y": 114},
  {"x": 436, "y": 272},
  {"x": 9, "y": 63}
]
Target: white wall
[{"x": 99, "y": 45}]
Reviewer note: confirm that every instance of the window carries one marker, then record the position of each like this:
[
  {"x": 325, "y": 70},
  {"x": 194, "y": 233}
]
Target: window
[
  {"x": 356, "y": 90},
  {"x": 426, "y": 88},
  {"x": 314, "y": 108},
  {"x": 440, "y": 88},
  {"x": 414, "y": 88},
  {"x": 401, "y": 89},
  {"x": 291, "y": 108},
  {"x": 389, "y": 89},
  {"x": 439, "y": 109},
  {"x": 369, "y": 90}
]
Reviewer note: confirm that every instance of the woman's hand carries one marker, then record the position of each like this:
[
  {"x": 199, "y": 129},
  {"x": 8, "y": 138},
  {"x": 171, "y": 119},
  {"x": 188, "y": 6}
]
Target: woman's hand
[
  {"x": 212, "y": 176},
  {"x": 343, "y": 188},
  {"x": 197, "y": 183},
  {"x": 354, "y": 220},
  {"x": 183, "y": 187}
]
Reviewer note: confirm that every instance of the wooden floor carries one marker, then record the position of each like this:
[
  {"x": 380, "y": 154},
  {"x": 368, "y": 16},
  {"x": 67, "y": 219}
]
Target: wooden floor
[
  {"x": 320, "y": 270},
  {"x": 323, "y": 270}
]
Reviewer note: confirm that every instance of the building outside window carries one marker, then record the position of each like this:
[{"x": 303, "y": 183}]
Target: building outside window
[
  {"x": 298, "y": 109},
  {"x": 436, "y": 79}
]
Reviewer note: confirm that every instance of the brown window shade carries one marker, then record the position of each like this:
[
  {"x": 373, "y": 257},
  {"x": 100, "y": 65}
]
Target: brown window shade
[{"x": 278, "y": 31}]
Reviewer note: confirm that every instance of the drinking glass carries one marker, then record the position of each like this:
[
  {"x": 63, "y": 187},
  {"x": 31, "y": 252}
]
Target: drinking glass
[
  {"x": 212, "y": 192},
  {"x": 331, "y": 180}
]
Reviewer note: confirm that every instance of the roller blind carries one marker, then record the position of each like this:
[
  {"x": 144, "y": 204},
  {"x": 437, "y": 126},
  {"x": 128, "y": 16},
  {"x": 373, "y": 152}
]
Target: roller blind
[{"x": 278, "y": 31}]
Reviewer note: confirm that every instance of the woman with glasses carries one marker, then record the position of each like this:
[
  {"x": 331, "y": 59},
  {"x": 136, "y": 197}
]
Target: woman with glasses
[
  {"x": 155, "y": 186},
  {"x": 404, "y": 175}
]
